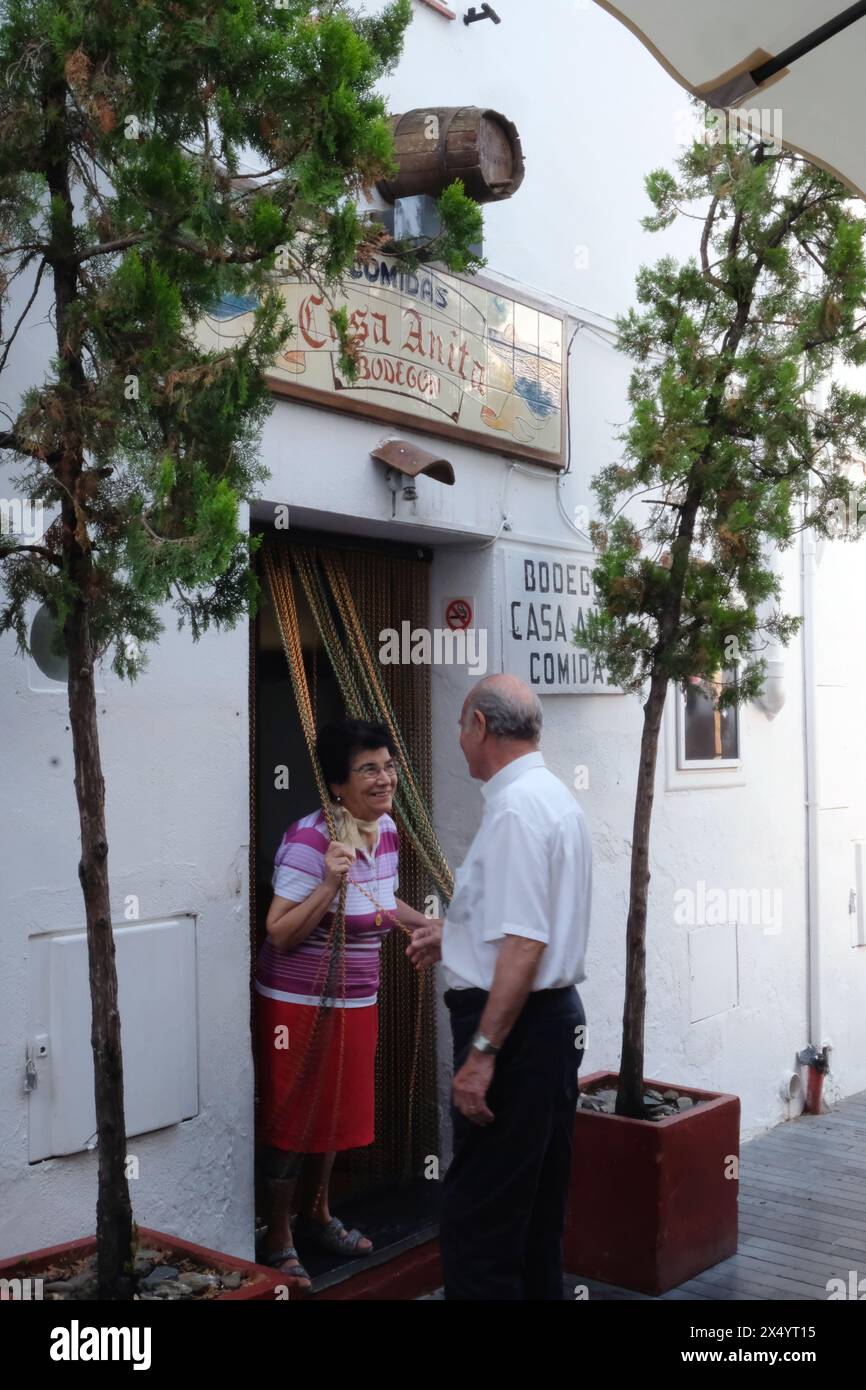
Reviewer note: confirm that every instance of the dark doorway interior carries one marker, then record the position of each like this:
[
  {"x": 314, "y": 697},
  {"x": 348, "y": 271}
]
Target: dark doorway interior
[{"x": 382, "y": 1189}]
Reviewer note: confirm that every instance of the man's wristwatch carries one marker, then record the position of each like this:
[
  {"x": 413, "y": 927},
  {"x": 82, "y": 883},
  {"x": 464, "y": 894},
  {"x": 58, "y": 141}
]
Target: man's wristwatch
[{"x": 485, "y": 1046}]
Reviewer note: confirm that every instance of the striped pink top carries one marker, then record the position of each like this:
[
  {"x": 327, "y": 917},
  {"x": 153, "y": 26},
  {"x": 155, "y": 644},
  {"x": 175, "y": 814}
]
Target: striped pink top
[{"x": 301, "y": 976}]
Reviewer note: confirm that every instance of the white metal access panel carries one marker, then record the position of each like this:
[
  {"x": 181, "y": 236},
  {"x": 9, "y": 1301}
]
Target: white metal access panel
[{"x": 156, "y": 971}]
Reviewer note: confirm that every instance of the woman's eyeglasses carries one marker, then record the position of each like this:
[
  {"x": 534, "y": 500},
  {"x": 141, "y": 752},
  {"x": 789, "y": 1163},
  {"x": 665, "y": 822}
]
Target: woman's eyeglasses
[{"x": 369, "y": 770}]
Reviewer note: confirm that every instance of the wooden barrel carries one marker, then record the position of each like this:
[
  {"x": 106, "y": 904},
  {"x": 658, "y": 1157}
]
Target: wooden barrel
[{"x": 438, "y": 144}]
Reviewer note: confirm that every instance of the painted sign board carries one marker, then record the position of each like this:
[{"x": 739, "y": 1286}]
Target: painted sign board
[
  {"x": 449, "y": 356},
  {"x": 548, "y": 594}
]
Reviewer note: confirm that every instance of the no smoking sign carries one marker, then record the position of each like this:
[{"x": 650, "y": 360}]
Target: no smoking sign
[{"x": 459, "y": 613}]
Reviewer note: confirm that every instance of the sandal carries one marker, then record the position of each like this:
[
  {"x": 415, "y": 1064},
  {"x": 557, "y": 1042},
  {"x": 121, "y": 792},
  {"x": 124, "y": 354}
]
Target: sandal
[
  {"x": 297, "y": 1271},
  {"x": 332, "y": 1237}
]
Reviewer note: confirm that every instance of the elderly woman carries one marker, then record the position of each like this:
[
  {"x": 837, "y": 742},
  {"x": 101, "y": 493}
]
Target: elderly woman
[{"x": 316, "y": 1009}]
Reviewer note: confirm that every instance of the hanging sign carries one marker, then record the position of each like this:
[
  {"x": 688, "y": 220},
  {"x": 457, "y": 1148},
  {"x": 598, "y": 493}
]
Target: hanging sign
[
  {"x": 458, "y": 357},
  {"x": 548, "y": 595}
]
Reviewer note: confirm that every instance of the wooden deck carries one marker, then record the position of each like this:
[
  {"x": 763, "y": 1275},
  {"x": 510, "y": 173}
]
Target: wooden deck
[{"x": 802, "y": 1215}]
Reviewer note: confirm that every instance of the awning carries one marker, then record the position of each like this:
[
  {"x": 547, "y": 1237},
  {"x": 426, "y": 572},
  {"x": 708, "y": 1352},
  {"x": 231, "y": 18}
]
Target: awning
[{"x": 800, "y": 61}]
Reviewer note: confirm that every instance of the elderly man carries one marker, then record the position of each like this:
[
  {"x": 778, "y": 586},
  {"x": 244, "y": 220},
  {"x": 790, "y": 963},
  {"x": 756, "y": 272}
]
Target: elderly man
[{"x": 512, "y": 947}]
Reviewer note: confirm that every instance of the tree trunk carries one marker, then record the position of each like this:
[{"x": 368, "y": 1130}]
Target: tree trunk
[
  {"x": 629, "y": 1098},
  {"x": 113, "y": 1208}
]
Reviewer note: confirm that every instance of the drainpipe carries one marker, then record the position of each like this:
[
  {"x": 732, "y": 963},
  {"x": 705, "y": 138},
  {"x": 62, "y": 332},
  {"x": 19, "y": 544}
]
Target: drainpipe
[
  {"x": 817, "y": 1055},
  {"x": 819, "y": 1065}
]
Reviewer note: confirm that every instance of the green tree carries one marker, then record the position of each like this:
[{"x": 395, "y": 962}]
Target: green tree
[
  {"x": 125, "y": 195},
  {"x": 727, "y": 453}
]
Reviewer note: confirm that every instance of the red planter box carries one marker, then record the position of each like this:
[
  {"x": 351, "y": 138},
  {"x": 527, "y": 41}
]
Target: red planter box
[
  {"x": 261, "y": 1289},
  {"x": 649, "y": 1203}
]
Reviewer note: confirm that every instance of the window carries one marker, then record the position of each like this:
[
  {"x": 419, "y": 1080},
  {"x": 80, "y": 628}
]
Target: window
[{"x": 707, "y": 737}]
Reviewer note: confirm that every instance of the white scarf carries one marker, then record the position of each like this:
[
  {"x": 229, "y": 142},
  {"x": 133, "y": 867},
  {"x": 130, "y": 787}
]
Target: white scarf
[{"x": 351, "y": 831}]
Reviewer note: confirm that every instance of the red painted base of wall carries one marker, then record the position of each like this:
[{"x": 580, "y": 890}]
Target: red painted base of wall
[
  {"x": 649, "y": 1203},
  {"x": 409, "y": 1276},
  {"x": 260, "y": 1289}
]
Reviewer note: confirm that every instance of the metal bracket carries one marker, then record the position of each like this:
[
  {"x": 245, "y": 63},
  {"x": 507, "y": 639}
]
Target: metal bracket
[
  {"x": 487, "y": 12},
  {"x": 400, "y": 482},
  {"x": 811, "y": 1057}
]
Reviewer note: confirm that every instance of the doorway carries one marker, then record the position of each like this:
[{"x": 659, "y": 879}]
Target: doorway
[{"x": 383, "y": 1189}]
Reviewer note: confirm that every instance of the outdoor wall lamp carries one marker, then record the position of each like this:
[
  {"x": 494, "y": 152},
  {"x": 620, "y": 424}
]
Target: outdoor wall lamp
[
  {"x": 404, "y": 463},
  {"x": 487, "y": 12},
  {"x": 395, "y": 482}
]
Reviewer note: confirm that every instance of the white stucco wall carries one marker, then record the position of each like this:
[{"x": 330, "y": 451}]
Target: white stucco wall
[
  {"x": 175, "y": 760},
  {"x": 175, "y": 755},
  {"x": 595, "y": 113}
]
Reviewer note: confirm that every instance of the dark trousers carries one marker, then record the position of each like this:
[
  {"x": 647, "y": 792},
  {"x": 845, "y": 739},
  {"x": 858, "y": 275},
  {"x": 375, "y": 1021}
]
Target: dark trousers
[{"x": 504, "y": 1195}]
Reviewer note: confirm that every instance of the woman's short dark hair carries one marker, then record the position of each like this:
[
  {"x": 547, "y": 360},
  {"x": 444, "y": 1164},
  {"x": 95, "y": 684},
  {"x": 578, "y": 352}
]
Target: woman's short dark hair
[{"x": 337, "y": 743}]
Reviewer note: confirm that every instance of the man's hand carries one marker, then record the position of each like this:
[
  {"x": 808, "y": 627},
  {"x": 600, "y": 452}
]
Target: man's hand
[
  {"x": 470, "y": 1086},
  {"x": 425, "y": 948}
]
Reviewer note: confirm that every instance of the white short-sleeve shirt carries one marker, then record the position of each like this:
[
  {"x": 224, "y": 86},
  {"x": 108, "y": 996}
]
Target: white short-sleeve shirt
[{"x": 528, "y": 873}]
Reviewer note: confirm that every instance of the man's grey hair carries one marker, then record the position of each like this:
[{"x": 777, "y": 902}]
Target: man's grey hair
[{"x": 508, "y": 714}]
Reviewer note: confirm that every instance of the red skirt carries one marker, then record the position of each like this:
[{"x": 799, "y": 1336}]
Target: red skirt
[{"x": 316, "y": 1083}]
